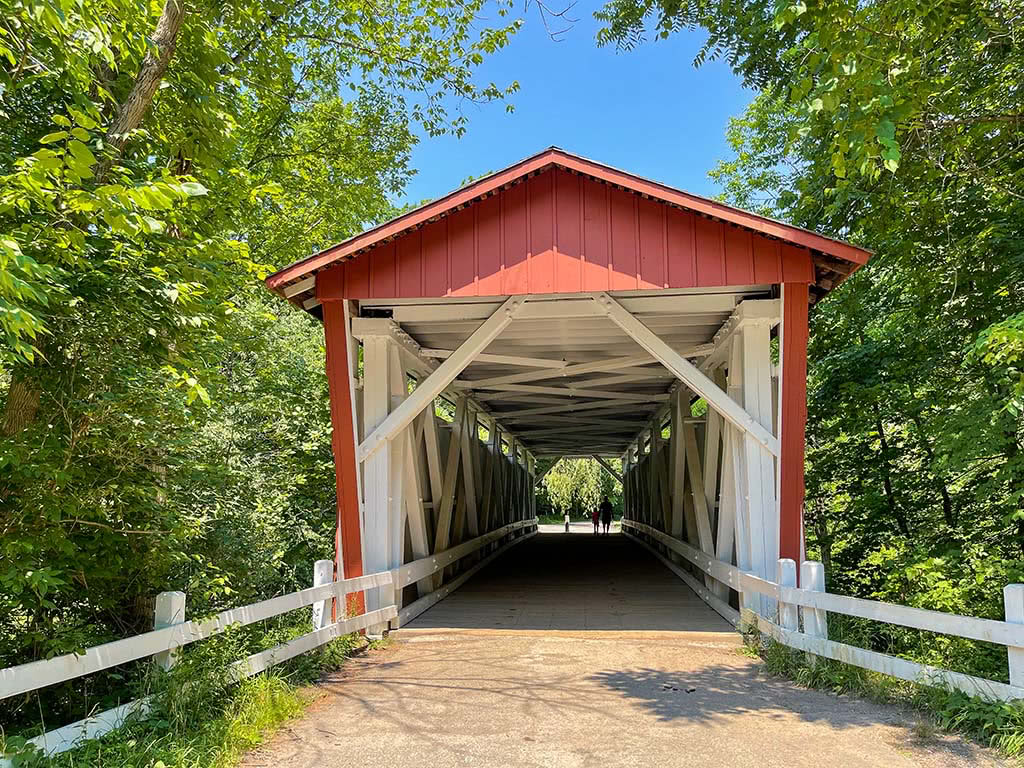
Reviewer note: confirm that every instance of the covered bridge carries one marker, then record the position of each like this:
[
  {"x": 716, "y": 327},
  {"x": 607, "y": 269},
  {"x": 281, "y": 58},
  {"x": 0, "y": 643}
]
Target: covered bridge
[{"x": 565, "y": 308}]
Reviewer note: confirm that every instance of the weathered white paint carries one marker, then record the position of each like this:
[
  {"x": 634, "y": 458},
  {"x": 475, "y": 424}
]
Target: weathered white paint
[
  {"x": 323, "y": 573},
  {"x": 1013, "y": 607},
  {"x": 169, "y": 610},
  {"x": 786, "y": 577}
]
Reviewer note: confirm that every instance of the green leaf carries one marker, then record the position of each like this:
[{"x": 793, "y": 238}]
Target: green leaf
[{"x": 50, "y": 138}]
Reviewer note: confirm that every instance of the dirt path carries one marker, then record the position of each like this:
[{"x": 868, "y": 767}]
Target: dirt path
[{"x": 587, "y": 667}]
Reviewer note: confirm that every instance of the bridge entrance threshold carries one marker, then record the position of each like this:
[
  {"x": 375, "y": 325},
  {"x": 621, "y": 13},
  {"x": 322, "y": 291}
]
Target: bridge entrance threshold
[
  {"x": 576, "y": 582},
  {"x": 575, "y": 651}
]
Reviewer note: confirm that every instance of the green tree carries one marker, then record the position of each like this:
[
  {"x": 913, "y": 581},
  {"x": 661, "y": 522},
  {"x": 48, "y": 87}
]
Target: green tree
[
  {"x": 165, "y": 423},
  {"x": 897, "y": 125},
  {"x": 577, "y": 486}
]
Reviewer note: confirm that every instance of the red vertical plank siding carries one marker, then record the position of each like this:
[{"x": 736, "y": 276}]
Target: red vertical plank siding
[
  {"x": 383, "y": 277},
  {"x": 739, "y": 256},
  {"x": 435, "y": 258},
  {"x": 410, "y": 267},
  {"x": 568, "y": 233},
  {"x": 488, "y": 246},
  {"x": 651, "y": 222},
  {"x": 514, "y": 236},
  {"x": 710, "y": 252},
  {"x": 357, "y": 277},
  {"x": 348, "y": 534},
  {"x": 682, "y": 257},
  {"x": 542, "y": 231},
  {"x": 797, "y": 266},
  {"x": 559, "y": 232},
  {"x": 623, "y": 241},
  {"x": 767, "y": 260},
  {"x": 462, "y": 252},
  {"x": 596, "y": 237},
  {"x": 794, "y": 419}
]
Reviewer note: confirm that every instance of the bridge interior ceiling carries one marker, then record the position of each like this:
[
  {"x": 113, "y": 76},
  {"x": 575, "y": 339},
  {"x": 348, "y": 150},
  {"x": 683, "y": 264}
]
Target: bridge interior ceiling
[{"x": 561, "y": 379}]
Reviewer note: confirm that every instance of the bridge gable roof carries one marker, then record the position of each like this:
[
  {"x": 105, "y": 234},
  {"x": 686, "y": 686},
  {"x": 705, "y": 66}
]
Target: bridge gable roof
[{"x": 560, "y": 223}]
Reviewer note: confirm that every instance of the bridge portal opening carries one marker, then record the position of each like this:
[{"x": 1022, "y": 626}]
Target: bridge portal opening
[{"x": 563, "y": 308}]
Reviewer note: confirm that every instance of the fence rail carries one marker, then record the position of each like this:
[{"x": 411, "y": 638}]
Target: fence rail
[
  {"x": 173, "y": 632},
  {"x": 801, "y": 618}
]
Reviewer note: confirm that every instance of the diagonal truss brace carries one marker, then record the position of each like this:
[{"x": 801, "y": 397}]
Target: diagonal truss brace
[{"x": 688, "y": 373}]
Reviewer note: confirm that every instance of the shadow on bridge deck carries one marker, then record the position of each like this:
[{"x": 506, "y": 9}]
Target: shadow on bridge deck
[{"x": 573, "y": 582}]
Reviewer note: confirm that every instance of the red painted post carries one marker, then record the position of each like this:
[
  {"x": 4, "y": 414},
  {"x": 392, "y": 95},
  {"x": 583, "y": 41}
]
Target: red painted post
[
  {"x": 794, "y": 419},
  {"x": 348, "y": 535}
]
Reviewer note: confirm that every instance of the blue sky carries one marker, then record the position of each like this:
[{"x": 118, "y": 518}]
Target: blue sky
[{"x": 647, "y": 111}]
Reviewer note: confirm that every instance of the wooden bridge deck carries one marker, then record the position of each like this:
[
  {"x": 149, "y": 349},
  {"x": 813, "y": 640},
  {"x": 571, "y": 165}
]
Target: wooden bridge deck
[
  {"x": 572, "y": 651},
  {"x": 572, "y": 582}
]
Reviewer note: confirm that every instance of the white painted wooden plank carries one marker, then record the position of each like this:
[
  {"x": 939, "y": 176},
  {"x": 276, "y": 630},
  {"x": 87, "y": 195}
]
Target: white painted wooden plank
[
  {"x": 572, "y": 391},
  {"x": 689, "y": 374},
  {"x": 411, "y": 611},
  {"x": 705, "y": 537},
  {"x": 442, "y": 536},
  {"x": 441, "y": 377},
  {"x": 168, "y": 611},
  {"x": 578, "y": 369},
  {"x": 378, "y": 480},
  {"x": 725, "y": 573},
  {"x": 470, "y": 474},
  {"x": 39, "y": 674},
  {"x": 1013, "y": 608},
  {"x": 812, "y": 578},
  {"x": 518, "y": 361},
  {"x": 760, "y": 468},
  {"x": 786, "y": 577},
  {"x": 323, "y": 573},
  {"x": 888, "y": 665},
  {"x": 70, "y": 736},
  {"x": 264, "y": 660}
]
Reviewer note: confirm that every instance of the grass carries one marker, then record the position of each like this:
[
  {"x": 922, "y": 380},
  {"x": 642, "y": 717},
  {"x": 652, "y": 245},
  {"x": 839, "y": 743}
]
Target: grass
[
  {"x": 201, "y": 718},
  {"x": 998, "y": 724}
]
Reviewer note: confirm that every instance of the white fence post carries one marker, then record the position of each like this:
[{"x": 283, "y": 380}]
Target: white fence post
[
  {"x": 812, "y": 578},
  {"x": 169, "y": 610},
  {"x": 1013, "y": 606},
  {"x": 786, "y": 577},
  {"x": 323, "y": 573}
]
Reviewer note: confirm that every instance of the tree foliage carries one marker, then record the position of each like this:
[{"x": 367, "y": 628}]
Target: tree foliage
[
  {"x": 165, "y": 423},
  {"x": 898, "y": 125},
  {"x": 577, "y": 486}
]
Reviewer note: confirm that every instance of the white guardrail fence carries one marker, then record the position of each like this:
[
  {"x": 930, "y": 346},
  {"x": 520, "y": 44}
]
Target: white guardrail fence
[
  {"x": 798, "y": 617},
  {"x": 171, "y": 631}
]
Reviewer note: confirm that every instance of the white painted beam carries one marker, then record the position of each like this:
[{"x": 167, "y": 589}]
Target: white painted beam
[
  {"x": 689, "y": 374},
  {"x": 440, "y": 378},
  {"x": 484, "y": 357}
]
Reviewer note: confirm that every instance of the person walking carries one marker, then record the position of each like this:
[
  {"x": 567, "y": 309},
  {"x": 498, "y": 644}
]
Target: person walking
[
  {"x": 606, "y": 515},
  {"x": 566, "y": 522},
  {"x": 595, "y": 516}
]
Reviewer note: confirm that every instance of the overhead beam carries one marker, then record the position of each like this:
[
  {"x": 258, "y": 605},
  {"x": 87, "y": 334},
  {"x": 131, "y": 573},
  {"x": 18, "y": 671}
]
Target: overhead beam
[
  {"x": 484, "y": 357},
  {"x": 751, "y": 311},
  {"x": 434, "y": 384},
  {"x": 628, "y": 397},
  {"x": 688, "y": 373},
  {"x": 598, "y": 366},
  {"x": 565, "y": 408}
]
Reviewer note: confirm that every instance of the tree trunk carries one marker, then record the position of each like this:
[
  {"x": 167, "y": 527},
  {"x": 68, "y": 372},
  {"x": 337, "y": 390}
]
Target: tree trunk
[
  {"x": 134, "y": 107},
  {"x": 890, "y": 496},
  {"x": 22, "y": 406},
  {"x": 948, "y": 512}
]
